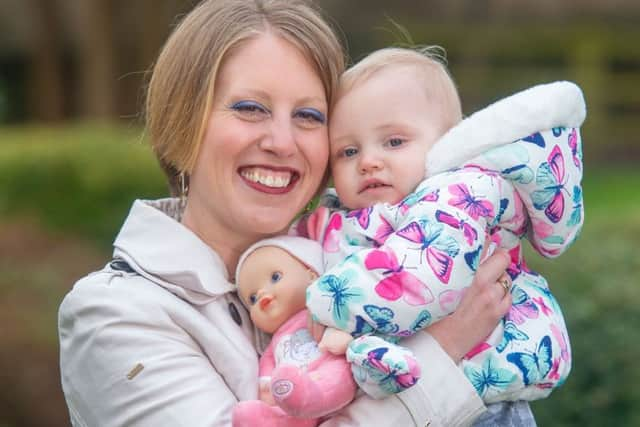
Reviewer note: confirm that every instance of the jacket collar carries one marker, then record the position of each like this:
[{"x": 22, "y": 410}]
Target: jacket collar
[{"x": 157, "y": 246}]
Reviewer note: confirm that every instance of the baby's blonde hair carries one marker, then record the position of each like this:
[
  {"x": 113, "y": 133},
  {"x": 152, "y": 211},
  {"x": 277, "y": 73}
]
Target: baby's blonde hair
[{"x": 428, "y": 62}]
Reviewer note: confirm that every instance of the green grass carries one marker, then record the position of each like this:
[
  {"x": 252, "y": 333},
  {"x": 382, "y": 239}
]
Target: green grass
[{"x": 78, "y": 182}]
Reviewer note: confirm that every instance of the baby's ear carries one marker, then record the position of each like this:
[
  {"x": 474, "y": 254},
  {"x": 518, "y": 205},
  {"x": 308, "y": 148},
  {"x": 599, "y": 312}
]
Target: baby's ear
[{"x": 312, "y": 274}]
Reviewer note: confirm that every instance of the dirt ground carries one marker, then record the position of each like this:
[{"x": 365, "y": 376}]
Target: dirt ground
[{"x": 37, "y": 268}]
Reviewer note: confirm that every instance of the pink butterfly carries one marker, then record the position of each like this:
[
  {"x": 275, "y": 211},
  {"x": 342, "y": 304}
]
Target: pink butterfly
[
  {"x": 562, "y": 341},
  {"x": 550, "y": 178},
  {"x": 398, "y": 282},
  {"x": 459, "y": 224},
  {"x": 331, "y": 240},
  {"x": 438, "y": 253},
  {"x": 384, "y": 230},
  {"x": 522, "y": 307},
  {"x": 466, "y": 201},
  {"x": 543, "y": 306},
  {"x": 362, "y": 215},
  {"x": 573, "y": 144}
]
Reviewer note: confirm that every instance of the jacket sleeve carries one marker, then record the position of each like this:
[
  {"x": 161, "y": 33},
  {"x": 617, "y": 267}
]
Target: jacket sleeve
[
  {"x": 125, "y": 361},
  {"x": 443, "y": 398},
  {"x": 546, "y": 170}
]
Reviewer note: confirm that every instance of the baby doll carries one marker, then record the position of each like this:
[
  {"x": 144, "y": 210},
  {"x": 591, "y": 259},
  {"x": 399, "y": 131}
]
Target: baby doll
[{"x": 298, "y": 383}]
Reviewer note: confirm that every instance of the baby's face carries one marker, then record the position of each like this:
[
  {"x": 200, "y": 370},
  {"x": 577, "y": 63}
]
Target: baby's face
[
  {"x": 273, "y": 284},
  {"x": 380, "y": 132}
]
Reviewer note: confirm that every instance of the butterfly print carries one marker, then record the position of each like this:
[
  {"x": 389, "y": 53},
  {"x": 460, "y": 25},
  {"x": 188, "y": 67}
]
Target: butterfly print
[
  {"x": 551, "y": 176},
  {"x": 439, "y": 249},
  {"x": 423, "y": 195},
  {"x": 341, "y": 294},
  {"x": 534, "y": 366},
  {"x": 397, "y": 282},
  {"x": 576, "y": 213},
  {"x": 522, "y": 307},
  {"x": 465, "y": 200},
  {"x": 331, "y": 240},
  {"x": 511, "y": 333},
  {"x": 470, "y": 233},
  {"x": 384, "y": 230},
  {"x": 362, "y": 216},
  {"x": 536, "y": 139},
  {"x": 576, "y": 153},
  {"x": 488, "y": 376}
]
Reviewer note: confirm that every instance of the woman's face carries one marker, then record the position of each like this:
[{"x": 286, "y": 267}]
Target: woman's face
[{"x": 265, "y": 149}]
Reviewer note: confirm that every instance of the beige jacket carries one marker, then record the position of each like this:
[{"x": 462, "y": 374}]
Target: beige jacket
[{"x": 169, "y": 344}]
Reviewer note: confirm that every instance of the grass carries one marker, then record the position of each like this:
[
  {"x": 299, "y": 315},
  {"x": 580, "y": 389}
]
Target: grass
[{"x": 64, "y": 193}]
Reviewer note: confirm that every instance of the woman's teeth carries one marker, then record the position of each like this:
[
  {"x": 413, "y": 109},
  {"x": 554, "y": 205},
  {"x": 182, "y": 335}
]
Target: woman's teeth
[{"x": 275, "y": 181}]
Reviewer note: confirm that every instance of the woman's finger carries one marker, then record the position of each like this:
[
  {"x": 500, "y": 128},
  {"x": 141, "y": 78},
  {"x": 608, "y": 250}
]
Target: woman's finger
[{"x": 493, "y": 267}]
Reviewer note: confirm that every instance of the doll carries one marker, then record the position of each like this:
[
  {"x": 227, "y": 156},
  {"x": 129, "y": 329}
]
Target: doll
[{"x": 298, "y": 383}]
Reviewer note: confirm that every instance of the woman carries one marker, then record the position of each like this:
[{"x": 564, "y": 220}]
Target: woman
[{"x": 236, "y": 114}]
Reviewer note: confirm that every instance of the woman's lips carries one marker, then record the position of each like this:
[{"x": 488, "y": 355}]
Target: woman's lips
[{"x": 269, "y": 180}]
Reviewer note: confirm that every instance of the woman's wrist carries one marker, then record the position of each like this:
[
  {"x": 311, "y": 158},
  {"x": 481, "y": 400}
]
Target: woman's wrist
[{"x": 444, "y": 333}]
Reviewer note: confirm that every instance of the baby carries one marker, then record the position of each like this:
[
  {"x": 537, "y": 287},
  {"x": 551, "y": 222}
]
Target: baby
[
  {"x": 401, "y": 249},
  {"x": 298, "y": 383}
]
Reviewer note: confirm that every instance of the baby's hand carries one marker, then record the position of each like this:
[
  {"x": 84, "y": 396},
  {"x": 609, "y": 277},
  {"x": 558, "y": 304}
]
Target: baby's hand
[
  {"x": 264, "y": 391},
  {"x": 335, "y": 341}
]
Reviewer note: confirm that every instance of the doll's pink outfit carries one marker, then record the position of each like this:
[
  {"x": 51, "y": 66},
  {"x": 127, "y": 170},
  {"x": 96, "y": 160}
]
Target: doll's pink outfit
[{"x": 305, "y": 382}]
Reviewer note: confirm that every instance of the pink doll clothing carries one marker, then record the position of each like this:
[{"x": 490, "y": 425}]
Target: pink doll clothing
[
  {"x": 394, "y": 269},
  {"x": 305, "y": 382}
]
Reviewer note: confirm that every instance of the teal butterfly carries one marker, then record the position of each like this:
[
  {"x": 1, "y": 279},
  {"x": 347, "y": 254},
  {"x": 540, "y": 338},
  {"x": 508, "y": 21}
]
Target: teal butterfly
[
  {"x": 489, "y": 376},
  {"x": 511, "y": 333},
  {"x": 534, "y": 366},
  {"x": 576, "y": 213},
  {"x": 341, "y": 294}
]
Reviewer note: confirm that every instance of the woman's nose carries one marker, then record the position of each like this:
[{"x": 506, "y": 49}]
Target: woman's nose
[{"x": 280, "y": 139}]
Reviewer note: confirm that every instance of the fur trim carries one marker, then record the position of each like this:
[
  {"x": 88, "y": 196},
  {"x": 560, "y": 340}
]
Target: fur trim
[{"x": 542, "y": 107}]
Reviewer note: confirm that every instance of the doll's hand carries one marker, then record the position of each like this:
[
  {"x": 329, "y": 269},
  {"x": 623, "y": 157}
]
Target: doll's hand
[
  {"x": 264, "y": 391},
  {"x": 335, "y": 341}
]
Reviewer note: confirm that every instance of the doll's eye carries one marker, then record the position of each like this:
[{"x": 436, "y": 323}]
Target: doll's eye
[
  {"x": 253, "y": 298},
  {"x": 276, "y": 276}
]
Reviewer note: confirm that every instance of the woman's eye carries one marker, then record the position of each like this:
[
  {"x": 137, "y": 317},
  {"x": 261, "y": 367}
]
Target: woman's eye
[
  {"x": 253, "y": 298},
  {"x": 310, "y": 116},
  {"x": 395, "y": 142},
  {"x": 250, "y": 109},
  {"x": 276, "y": 276}
]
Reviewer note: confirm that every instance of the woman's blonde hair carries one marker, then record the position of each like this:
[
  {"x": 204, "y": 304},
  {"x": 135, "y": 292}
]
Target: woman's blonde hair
[
  {"x": 181, "y": 89},
  {"x": 429, "y": 63}
]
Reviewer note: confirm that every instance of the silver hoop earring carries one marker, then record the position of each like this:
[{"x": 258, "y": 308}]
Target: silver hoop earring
[{"x": 184, "y": 189}]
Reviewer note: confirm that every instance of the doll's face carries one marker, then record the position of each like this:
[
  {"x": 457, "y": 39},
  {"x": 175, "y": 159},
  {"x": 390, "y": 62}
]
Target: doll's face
[{"x": 273, "y": 284}]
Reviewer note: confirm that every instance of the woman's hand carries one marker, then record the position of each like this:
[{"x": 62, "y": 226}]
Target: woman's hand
[{"x": 484, "y": 303}]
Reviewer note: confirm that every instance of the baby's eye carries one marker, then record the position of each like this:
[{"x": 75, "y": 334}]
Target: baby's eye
[
  {"x": 250, "y": 109},
  {"x": 349, "y": 152},
  {"x": 276, "y": 276},
  {"x": 253, "y": 298},
  {"x": 395, "y": 142}
]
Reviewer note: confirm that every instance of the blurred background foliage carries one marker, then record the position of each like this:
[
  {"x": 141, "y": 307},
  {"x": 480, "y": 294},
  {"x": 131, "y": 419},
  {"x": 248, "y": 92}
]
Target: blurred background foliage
[{"x": 73, "y": 158}]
